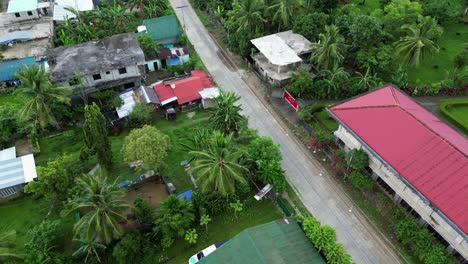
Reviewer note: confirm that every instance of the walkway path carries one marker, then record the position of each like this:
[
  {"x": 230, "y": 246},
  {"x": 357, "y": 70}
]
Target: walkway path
[{"x": 320, "y": 194}]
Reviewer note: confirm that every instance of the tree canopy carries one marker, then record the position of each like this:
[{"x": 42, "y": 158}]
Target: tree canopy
[{"x": 95, "y": 135}]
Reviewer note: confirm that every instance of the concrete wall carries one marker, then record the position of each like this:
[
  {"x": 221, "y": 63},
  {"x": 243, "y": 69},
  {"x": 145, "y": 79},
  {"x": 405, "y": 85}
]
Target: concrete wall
[
  {"x": 109, "y": 77},
  {"x": 24, "y": 15},
  {"x": 403, "y": 191}
]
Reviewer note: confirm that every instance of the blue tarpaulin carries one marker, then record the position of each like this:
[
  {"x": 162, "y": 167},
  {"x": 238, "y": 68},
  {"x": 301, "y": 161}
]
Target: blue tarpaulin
[
  {"x": 10, "y": 67},
  {"x": 187, "y": 195},
  {"x": 15, "y": 36}
]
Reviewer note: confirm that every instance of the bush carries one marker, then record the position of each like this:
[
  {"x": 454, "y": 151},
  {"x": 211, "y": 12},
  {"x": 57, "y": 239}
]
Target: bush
[
  {"x": 324, "y": 239},
  {"x": 461, "y": 60},
  {"x": 133, "y": 248},
  {"x": 140, "y": 116},
  {"x": 307, "y": 113},
  {"x": 360, "y": 180},
  {"x": 357, "y": 159}
]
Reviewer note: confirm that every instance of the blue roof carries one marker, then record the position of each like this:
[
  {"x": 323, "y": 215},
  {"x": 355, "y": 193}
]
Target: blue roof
[
  {"x": 10, "y": 67},
  {"x": 15, "y": 35},
  {"x": 187, "y": 195}
]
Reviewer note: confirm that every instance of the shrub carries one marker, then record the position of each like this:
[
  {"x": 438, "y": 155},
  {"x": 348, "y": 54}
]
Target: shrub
[
  {"x": 141, "y": 115},
  {"x": 324, "y": 239},
  {"x": 357, "y": 159},
  {"x": 360, "y": 181}
]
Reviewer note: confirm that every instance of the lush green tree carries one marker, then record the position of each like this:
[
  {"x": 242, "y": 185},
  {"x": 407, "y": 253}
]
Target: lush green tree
[
  {"x": 37, "y": 87},
  {"x": 142, "y": 210},
  {"x": 95, "y": 135},
  {"x": 147, "y": 144},
  {"x": 446, "y": 12},
  {"x": 173, "y": 218},
  {"x": 335, "y": 82},
  {"x": 191, "y": 236},
  {"x": 398, "y": 13},
  {"x": 141, "y": 114},
  {"x": 226, "y": 116},
  {"x": 156, "y": 9},
  {"x": 204, "y": 221},
  {"x": 134, "y": 247},
  {"x": 263, "y": 148},
  {"x": 283, "y": 12},
  {"x": 270, "y": 171},
  {"x": 102, "y": 204},
  {"x": 328, "y": 51},
  {"x": 44, "y": 239},
  {"x": 301, "y": 83},
  {"x": 461, "y": 60},
  {"x": 344, "y": 17},
  {"x": 237, "y": 207},
  {"x": 365, "y": 32},
  {"x": 419, "y": 41},
  {"x": 311, "y": 25},
  {"x": 8, "y": 124},
  {"x": 7, "y": 246},
  {"x": 148, "y": 45},
  {"x": 357, "y": 159},
  {"x": 365, "y": 82},
  {"x": 90, "y": 250},
  {"x": 400, "y": 77},
  {"x": 53, "y": 182},
  {"x": 218, "y": 167},
  {"x": 247, "y": 15},
  {"x": 325, "y": 5},
  {"x": 380, "y": 60}
]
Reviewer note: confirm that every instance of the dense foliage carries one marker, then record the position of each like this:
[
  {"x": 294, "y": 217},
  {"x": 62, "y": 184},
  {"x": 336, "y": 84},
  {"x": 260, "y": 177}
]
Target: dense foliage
[{"x": 95, "y": 135}]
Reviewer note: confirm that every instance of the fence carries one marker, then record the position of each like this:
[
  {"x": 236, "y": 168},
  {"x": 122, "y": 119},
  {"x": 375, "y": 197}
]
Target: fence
[{"x": 284, "y": 205}]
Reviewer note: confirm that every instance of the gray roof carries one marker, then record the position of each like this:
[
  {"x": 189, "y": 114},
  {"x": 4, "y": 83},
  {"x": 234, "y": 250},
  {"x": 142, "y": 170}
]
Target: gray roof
[
  {"x": 92, "y": 57},
  {"x": 17, "y": 171},
  {"x": 16, "y": 35}
]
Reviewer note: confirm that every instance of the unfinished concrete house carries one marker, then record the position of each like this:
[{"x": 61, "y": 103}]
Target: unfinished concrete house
[
  {"x": 280, "y": 55},
  {"x": 114, "y": 62}
]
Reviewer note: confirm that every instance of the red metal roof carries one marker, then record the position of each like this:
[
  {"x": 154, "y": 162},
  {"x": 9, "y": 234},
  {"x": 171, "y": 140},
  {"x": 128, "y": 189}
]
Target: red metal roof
[
  {"x": 185, "y": 89},
  {"x": 429, "y": 154}
]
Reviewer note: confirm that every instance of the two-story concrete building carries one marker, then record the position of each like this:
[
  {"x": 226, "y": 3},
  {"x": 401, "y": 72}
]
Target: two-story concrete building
[
  {"x": 113, "y": 62},
  {"x": 280, "y": 55},
  {"x": 415, "y": 157}
]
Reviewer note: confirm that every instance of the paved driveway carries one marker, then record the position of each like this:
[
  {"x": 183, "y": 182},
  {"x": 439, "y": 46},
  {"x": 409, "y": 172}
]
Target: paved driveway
[{"x": 322, "y": 197}]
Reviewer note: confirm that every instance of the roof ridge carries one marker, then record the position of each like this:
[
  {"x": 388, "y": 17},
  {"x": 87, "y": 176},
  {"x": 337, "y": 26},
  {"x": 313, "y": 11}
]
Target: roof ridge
[
  {"x": 365, "y": 107},
  {"x": 432, "y": 130},
  {"x": 392, "y": 90}
]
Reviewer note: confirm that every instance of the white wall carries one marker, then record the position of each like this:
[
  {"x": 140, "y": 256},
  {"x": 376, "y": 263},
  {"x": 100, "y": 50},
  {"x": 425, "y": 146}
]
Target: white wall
[
  {"x": 24, "y": 15},
  {"x": 403, "y": 191},
  {"x": 132, "y": 71}
]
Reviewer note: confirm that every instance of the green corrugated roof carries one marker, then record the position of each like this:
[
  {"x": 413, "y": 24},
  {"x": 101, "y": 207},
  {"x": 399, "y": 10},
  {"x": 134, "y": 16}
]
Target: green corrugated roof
[
  {"x": 15, "y": 6},
  {"x": 273, "y": 243},
  {"x": 162, "y": 27}
]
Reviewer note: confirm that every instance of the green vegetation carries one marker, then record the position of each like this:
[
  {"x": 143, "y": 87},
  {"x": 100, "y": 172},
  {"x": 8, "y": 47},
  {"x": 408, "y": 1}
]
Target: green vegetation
[
  {"x": 225, "y": 226},
  {"x": 455, "y": 111}
]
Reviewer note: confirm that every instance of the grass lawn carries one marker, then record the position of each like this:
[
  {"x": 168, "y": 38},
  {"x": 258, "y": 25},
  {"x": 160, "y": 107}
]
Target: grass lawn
[
  {"x": 224, "y": 227},
  {"x": 326, "y": 120},
  {"x": 455, "y": 112},
  {"x": 11, "y": 99},
  {"x": 450, "y": 45}
]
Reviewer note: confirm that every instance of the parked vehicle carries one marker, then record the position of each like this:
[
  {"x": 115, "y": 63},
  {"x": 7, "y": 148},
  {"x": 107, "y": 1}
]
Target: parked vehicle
[{"x": 197, "y": 257}]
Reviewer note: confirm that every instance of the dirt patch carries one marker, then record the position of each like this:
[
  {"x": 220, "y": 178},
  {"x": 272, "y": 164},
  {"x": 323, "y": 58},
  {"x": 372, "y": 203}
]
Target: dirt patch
[
  {"x": 153, "y": 192},
  {"x": 190, "y": 114},
  {"x": 22, "y": 147}
]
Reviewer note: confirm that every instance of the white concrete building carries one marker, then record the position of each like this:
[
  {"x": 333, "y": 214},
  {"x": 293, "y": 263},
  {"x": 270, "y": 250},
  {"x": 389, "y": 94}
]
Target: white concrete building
[
  {"x": 280, "y": 55},
  {"x": 420, "y": 161}
]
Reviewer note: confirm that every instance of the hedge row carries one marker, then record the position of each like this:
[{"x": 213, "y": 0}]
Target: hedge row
[
  {"x": 418, "y": 239},
  {"x": 445, "y": 110},
  {"x": 324, "y": 239}
]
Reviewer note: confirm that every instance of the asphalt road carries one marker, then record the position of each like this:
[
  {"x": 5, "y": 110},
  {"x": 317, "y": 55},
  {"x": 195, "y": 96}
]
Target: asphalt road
[{"x": 322, "y": 197}]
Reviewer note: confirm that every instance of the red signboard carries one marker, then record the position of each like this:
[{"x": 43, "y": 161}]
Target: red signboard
[{"x": 290, "y": 99}]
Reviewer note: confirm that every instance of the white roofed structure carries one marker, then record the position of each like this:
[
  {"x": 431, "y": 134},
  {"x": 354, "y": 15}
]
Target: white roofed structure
[
  {"x": 280, "y": 54},
  {"x": 15, "y": 172},
  {"x": 61, "y": 12}
]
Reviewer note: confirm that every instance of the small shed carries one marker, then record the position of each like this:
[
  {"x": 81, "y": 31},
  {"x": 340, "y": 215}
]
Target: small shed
[
  {"x": 208, "y": 95},
  {"x": 15, "y": 172},
  {"x": 128, "y": 98}
]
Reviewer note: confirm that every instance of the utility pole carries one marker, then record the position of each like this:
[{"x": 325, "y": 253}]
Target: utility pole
[{"x": 183, "y": 15}]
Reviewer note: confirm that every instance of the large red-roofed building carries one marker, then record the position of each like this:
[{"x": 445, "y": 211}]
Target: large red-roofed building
[
  {"x": 417, "y": 158},
  {"x": 183, "y": 90}
]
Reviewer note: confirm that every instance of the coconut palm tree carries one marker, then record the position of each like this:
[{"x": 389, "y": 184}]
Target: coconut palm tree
[
  {"x": 218, "y": 167},
  {"x": 89, "y": 249},
  {"x": 6, "y": 246},
  {"x": 37, "y": 87},
  {"x": 419, "y": 41},
  {"x": 247, "y": 14},
  {"x": 101, "y": 204},
  {"x": 283, "y": 12},
  {"x": 226, "y": 115},
  {"x": 329, "y": 50}
]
